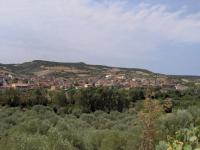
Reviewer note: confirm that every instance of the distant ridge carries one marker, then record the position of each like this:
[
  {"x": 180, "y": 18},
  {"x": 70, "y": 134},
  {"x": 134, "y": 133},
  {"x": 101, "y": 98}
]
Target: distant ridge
[
  {"x": 74, "y": 69},
  {"x": 36, "y": 64}
]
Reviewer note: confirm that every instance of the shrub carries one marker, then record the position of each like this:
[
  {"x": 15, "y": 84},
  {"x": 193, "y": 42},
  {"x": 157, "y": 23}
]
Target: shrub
[
  {"x": 195, "y": 112},
  {"x": 170, "y": 123}
]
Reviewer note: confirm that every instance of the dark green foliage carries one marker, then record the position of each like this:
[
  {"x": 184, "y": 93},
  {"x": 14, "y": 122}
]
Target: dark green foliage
[
  {"x": 136, "y": 94},
  {"x": 14, "y": 97},
  {"x": 37, "y": 97},
  {"x": 92, "y": 99},
  {"x": 106, "y": 99},
  {"x": 59, "y": 98},
  {"x": 11, "y": 97}
]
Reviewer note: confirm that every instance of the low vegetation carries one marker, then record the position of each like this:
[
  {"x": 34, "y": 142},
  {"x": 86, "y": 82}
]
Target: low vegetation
[{"x": 100, "y": 119}]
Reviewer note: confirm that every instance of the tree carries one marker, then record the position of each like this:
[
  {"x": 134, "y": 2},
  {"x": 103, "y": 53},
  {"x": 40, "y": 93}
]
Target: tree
[
  {"x": 136, "y": 94},
  {"x": 37, "y": 97},
  {"x": 59, "y": 97},
  {"x": 12, "y": 97}
]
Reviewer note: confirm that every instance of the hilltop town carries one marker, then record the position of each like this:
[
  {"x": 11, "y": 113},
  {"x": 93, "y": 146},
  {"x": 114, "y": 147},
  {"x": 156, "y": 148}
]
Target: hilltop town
[{"x": 54, "y": 75}]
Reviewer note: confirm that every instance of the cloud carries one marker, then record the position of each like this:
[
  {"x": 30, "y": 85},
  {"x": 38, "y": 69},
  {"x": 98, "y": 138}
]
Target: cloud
[{"x": 106, "y": 32}]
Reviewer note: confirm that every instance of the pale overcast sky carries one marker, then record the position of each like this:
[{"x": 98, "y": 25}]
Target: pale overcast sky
[{"x": 159, "y": 35}]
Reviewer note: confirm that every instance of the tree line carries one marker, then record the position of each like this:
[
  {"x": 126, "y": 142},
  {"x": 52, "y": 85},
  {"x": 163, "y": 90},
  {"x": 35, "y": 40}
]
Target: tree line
[
  {"x": 87, "y": 99},
  {"x": 92, "y": 99}
]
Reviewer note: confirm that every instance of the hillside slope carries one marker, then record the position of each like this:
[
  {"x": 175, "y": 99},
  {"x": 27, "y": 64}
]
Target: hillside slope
[
  {"x": 79, "y": 69},
  {"x": 38, "y": 67}
]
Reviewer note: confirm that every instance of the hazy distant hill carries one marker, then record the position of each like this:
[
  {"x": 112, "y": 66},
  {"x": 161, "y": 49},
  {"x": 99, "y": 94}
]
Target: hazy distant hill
[
  {"x": 40, "y": 66},
  {"x": 80, "y": 69}
]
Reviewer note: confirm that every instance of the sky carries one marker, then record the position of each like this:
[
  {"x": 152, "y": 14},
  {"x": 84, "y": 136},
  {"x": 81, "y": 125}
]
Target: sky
[{"x": 160, "y": 35}]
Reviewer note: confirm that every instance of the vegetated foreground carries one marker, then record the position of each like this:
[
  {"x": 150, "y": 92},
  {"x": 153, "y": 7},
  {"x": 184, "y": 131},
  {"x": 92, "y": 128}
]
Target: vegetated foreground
[{"x": 100, "y": 119}]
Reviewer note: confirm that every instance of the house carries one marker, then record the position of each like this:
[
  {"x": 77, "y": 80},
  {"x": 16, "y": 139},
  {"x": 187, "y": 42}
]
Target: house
[
  {"x": 2, "y": 81},
  {"x": 108, "y": 76},
  {"x": 180, "y": 87},
  {"x": 10, "y": 76},
  {"x": 20, "y": 86},
  {"x": 88, "y": 85},
  {"x": 53, "y": 88},
  {"x": 121, "y": 77}
]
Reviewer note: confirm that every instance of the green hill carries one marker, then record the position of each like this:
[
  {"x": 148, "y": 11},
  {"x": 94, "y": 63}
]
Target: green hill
[{"x": 29, "y": 68}]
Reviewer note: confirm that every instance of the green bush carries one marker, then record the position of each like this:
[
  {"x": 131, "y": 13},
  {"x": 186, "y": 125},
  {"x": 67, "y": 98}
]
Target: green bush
[
  {"x": 162, "y": 146},
  {"x": 170, "y": 123}
]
